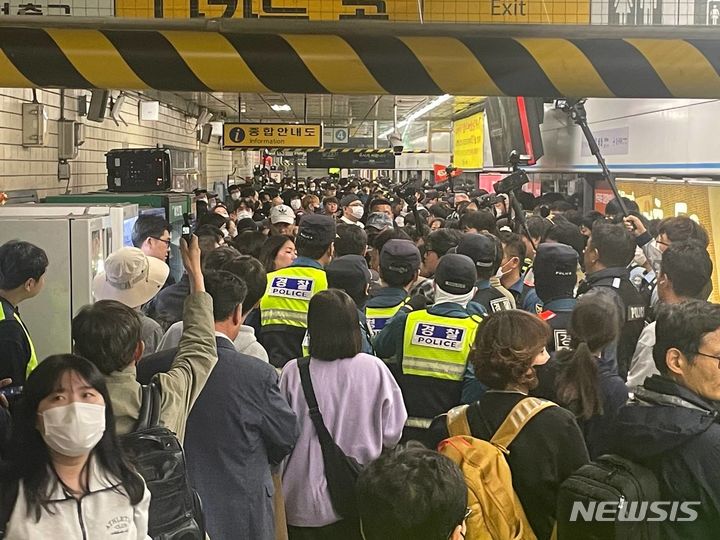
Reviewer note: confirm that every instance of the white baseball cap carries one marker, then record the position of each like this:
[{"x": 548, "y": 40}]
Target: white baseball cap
[
  {"x": 282, "y": 214},
  {"x": 130, "y": 277}
]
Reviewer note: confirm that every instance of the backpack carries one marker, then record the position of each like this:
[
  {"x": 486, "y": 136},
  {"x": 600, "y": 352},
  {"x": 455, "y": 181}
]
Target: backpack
[
  {"x": 609, "y": 479},
  {"x": 496, "y": 512},
  {"x": 156, "y": 453}
]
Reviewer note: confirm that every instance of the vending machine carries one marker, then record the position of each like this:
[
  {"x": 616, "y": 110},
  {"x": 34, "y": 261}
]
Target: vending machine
[
  {"x": 76, "y": 247},
  {"x": 122, "y": 216},
  {"x": 174, "y": 205}
]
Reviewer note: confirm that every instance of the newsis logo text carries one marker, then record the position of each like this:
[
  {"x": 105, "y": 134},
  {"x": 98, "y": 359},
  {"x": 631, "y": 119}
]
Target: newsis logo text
[{"x": 634, "y": 511}]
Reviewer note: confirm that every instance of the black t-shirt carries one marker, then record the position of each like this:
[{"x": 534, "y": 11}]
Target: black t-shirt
[
  {"x": 14, "y": 346},
  {"x": 548, "y": 450}
]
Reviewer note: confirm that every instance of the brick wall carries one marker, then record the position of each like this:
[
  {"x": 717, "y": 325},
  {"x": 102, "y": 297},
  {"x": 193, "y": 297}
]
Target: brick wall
[{"x": 36, "y": 168}]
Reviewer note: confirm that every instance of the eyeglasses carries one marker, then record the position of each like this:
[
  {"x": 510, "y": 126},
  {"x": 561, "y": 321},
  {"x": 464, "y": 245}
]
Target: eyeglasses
[
  {"x": 709, "y": 356},
  {"x": 660, "y": 242},
  {"x": 167, "y": 242}
]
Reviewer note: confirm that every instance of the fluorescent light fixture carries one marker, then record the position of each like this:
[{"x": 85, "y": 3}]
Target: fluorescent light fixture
[
  {"x": 417, "y": 114},
  {"x": 281, "y": 108}
]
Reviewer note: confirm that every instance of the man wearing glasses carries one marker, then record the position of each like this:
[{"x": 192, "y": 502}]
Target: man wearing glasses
[
  {"x": 671, "y": 426},
  {"x": 152, "y": 235}
]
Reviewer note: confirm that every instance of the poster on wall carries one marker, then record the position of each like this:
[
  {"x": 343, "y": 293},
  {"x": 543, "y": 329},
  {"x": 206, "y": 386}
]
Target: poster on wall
[
  {"x": 659, "y": 201},
  {"x": 468, "y": 142}
]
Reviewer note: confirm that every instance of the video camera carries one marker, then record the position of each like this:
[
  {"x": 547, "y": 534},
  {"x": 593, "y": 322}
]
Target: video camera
[
  {"x": 512, "y": 182},
  {"x": 408, "y": 190},
  {"x": 489, "y": 200}
]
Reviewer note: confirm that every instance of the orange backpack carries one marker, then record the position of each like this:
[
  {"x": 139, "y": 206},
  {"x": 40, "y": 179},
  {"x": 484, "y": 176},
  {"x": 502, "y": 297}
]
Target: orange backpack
[{"x": 496, "y": 512}]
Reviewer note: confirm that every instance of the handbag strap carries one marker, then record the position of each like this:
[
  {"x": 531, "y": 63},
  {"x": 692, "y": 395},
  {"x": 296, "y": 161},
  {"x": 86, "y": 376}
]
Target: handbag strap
[{"x": 315, "y": 415}]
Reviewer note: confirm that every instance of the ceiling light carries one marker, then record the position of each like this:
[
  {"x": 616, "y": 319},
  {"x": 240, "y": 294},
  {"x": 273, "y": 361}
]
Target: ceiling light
[
  {"x": 281, "y": 108},
  {"x": 417, "y": 114}
]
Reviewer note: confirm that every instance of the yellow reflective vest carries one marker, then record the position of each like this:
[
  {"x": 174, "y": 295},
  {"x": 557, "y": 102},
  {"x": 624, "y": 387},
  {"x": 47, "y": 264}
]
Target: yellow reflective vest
[
  {"x": 377, "y": 317},
  {"x": 288, "y": 295},
  {"x": 32, "y": 362},
  {"x": 437, "y": 346}
]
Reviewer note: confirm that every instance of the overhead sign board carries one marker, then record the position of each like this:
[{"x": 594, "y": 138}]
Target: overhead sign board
[
  {"x": 350, "y": 160},
  {"x": 244, "y": 135},
  {"x": 448, "y": 11},
  {"x": 468, "y": 142}
]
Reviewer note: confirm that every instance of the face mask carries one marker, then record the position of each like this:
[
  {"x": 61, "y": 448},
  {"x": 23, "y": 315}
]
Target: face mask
[
  {"x": 357, "y": 211},
  {"x": 73, "y": 430},
  {"x": 243, "y": 214},
  {"x": 235, "y": 195},
  {"x": 312, "y": 187},
  {"x": 500, "y": 273},
  {"x": 295, "y": 204},
  {"x": 404, "y": 211}
]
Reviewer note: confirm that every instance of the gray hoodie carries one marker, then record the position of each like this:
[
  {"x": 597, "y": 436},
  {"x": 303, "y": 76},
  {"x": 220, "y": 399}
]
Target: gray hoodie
[{"x": 245, "y": 342}]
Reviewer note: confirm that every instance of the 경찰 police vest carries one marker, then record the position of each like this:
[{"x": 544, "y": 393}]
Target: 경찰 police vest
[
  {"x": 377, "y": 317},
  {"x": 437, "y": 346},
  {"x": 288, "y": 295}
]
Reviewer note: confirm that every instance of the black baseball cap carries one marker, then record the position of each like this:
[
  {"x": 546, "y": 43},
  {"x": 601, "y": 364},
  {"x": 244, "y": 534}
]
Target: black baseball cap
[
  {"x": 481, "y": 248},
  {"x": 317, "y": 229},
  {"x": 400, "y": 257},
  {"x": 348, "y": 199},
  {"x": 455, "y": 274},
  {"x": 349, "y": 273},
  {"x": 555, "y": 270}
]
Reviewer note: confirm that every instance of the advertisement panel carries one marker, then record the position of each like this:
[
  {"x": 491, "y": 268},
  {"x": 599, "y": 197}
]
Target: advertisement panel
[
  {"x": 468, "y": 142},
  {"x": 661, "y": 200}
]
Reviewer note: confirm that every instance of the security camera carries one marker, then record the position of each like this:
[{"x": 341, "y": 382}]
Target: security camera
[{"x": 395, "y": 141}]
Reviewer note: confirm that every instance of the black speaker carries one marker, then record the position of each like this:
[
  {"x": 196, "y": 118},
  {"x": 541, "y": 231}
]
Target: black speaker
[
  {"x": 97, "y": 111},
  {"x": 139, "y": 169}
]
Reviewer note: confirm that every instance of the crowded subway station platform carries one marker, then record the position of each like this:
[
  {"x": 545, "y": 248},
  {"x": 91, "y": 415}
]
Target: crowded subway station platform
[{"x": 347, "y": 270}]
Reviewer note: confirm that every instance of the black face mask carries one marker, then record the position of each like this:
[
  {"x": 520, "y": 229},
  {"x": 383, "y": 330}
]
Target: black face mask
[{"x": 266, "y": 207}]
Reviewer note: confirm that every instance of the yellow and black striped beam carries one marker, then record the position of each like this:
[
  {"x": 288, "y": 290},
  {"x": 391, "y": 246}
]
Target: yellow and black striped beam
[{"x": 359, "y": 58}]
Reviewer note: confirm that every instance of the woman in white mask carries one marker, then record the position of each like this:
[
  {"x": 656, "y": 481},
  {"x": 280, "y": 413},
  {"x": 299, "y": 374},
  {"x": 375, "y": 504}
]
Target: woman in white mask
[{"x": 68, "y": 477}]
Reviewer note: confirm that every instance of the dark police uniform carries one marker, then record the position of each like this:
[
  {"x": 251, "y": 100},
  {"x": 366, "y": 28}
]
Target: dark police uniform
[
  {"x": 634, "y": 306},
  {"x": 17, "y": 352},
  {"x": 491, "y": 298},
  {"x": 557, "y": 314}
]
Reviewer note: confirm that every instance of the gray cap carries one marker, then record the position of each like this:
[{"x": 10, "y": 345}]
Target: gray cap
[
  {"x": 347, "y": 200},
  {"x": 379, "y": 221},
  {"x": 455, "y": 274}
]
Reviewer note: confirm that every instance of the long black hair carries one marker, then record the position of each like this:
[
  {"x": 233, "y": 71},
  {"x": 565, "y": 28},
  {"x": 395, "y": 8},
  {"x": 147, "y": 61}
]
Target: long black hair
[
  {"x": 594, "y": 324},
  {"x": 29, "y": 455},
  {"x": 270, "y": 250}
]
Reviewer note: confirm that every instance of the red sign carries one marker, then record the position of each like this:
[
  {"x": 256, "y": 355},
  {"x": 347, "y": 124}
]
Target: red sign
[{"x": 440, "y": 173}]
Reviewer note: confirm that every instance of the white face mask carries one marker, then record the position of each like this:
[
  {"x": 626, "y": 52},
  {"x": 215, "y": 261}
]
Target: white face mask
[
  {"x": 243, "y": 214},
  {"x": 357, "y": 211},
  {"x": 73, "y": 430},
  {"x": 500, "y": 273},
  {"x": 295, "y": 204},
  {"x": 235, "y": 195}
]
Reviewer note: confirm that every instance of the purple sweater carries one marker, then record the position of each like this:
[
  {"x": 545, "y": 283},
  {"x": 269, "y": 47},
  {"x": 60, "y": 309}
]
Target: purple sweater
[{"x": 363, "y": 409}]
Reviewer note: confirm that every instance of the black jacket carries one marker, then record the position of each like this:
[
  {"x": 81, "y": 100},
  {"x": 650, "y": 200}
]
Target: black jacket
[
  {"x": 167, "y": 307},
  {"x": 634, "y": 306},
  {"x": 613, "y": 392},
  {"x": 675, "y": 433},
  {"x": 548, "y": 450}
]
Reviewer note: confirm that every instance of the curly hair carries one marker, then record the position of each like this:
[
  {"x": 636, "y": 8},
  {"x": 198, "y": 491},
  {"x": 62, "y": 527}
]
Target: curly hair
[{"x": 505, "y": 346}]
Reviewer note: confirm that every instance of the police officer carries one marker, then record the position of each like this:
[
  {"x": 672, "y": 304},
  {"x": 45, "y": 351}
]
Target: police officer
[
  {"x": 512, "y": 273},
  {"x": 22, "y": 276},
  {"x": 399, "y": 269},
  {"x": 283, "y": 309},
  {"x": 609, "y": 251},
  {"x": 486, "y": 252},
  {"x": 555, "y": 280},
  {"x": 431, "y": 346}
]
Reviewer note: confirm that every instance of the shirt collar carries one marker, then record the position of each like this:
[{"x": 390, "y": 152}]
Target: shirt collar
[
  {"x": 482, "y": 284},
  {"x": 560, "y": 304},
  {"x": 517, "y": 286}
]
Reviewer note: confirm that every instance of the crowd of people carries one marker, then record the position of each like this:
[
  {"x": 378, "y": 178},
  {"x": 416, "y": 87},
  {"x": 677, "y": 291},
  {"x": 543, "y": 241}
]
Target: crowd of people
[{"x": 328, "y": 345}]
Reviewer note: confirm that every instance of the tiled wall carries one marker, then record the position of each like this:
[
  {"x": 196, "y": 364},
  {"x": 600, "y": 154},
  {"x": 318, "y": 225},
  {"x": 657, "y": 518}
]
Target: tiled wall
[{"x": 36, "y": 168}]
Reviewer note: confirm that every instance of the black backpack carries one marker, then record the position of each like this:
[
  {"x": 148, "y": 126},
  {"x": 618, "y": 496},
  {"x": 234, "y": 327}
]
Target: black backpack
[
  {"x": 609, "y": 479},
  {"x": 341, "y": 470},
  {"x": 156, "y": 453}
]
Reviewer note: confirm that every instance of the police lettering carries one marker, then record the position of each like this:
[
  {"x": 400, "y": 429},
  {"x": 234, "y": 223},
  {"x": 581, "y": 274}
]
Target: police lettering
[
  {"x": 300, "y": 288},
  {"x": 437, "y": 342},
  {"x": 440, "y": 337}
]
